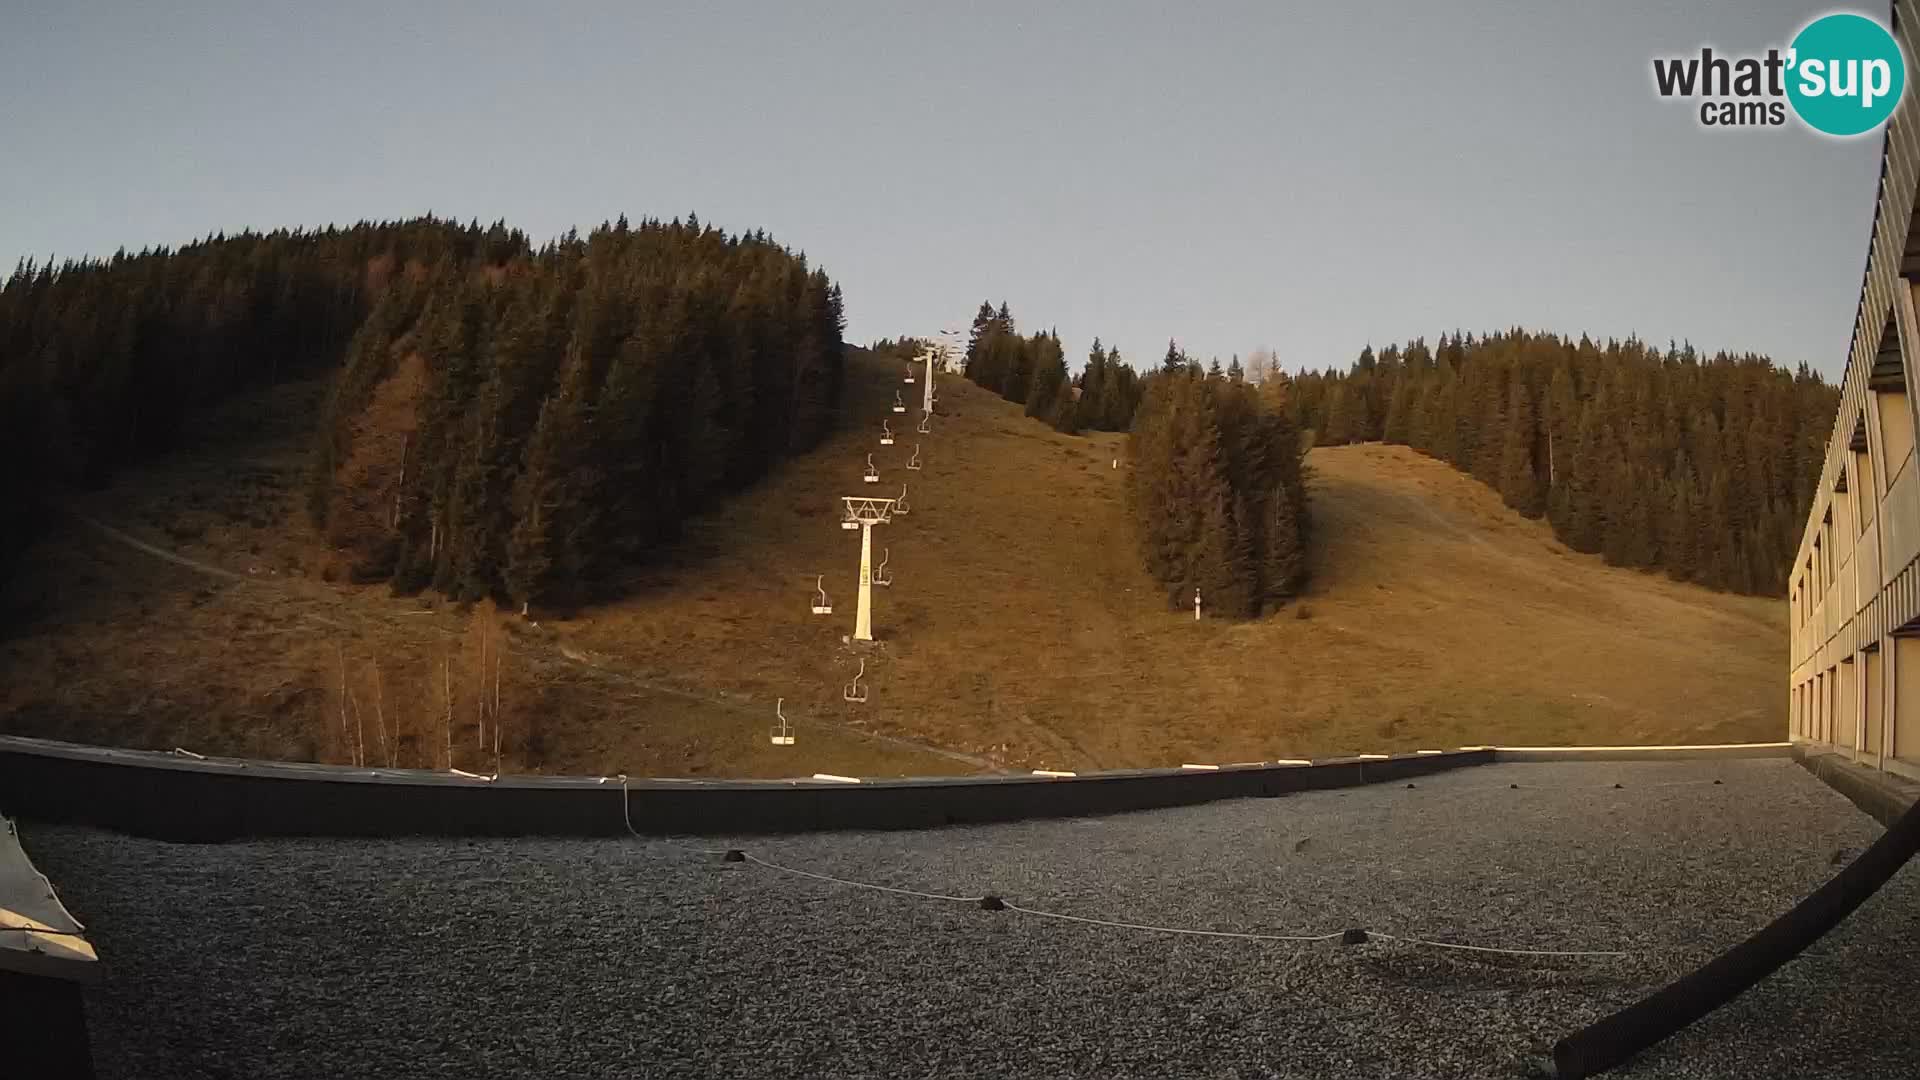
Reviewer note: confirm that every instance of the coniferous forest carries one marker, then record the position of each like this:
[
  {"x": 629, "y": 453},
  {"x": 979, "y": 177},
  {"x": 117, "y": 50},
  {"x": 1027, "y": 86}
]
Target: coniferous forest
[
  {"x": 104, "y": 362},
  {"x": 1032, "y": 371},
  {"x": 1217, "y": 489},
  {"x": 518, "y": 422},
  {"x": 503, "y": 420},
  {"x": 527, "y": 431},
  {"x": 1700, "y": 466}
]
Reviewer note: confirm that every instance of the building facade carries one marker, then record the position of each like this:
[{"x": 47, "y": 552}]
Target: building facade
[{"x": 1854, "y": 590}]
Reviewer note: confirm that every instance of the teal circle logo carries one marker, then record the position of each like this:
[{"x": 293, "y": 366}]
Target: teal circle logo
[{"x": 1845, "y": 74}]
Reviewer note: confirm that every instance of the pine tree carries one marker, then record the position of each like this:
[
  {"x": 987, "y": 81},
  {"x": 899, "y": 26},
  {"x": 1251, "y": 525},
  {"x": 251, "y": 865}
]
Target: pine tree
[
  {"x": 1049, "y": 379},
  {"x": 537, "y": 501},
  {"x": 1175, "y": 362},
  {"x": 1397, "y": 427},
  {"x": 1065, "y": 417},
  {"x": 1223, "y": 567},
  {"x": 1678, "y": 548},
  {"x": 1120, "y": 394},
  {"x": 1283, "y": 555},
  {"x": 1341, "y": 425},
  {"x": 1088, "y": 409},
  {"x": 1518, "y": 481},
  {"x": 1210, "y": 457}
]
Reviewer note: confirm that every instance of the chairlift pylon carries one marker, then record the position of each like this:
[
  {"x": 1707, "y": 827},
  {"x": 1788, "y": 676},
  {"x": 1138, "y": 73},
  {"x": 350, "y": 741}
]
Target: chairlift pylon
[
  {"x": 900, "y": 504},
  {"x": 820, "y": 604},
  {"x": 782, "y": 733},
  {"x": 886, "y": 433},
  {"x": 914, "y": 461},
  {"x": 853, "y": 691},
  {"x": 873, "y": 474},
  {"x": 881, "y": 575},
  {"x": 864, "y": 510},
  {"x": 898, "y": 405}
]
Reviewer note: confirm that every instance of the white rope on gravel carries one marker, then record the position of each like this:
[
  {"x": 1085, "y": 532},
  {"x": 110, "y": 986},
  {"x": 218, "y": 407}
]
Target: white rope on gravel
[
  {"x": 1181, "y": 930},
  {"x": 860, "y": 884},
  {"x": 627, "y": 818},
  {"x": 1493, "y": 949},
  {"x": 1175, "y": 929}
]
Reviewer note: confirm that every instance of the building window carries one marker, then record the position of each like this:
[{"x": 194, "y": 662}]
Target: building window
[{"x": 1888, "y": 383}]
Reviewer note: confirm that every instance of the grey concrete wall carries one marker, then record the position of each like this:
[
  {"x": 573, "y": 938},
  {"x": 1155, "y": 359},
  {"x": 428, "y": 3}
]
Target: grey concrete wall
[{"x": 204, "y": 800}]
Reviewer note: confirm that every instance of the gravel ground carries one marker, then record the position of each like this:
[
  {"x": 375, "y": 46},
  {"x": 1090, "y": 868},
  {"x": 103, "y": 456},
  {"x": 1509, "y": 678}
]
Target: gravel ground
[{"x": 599, "y": 958}]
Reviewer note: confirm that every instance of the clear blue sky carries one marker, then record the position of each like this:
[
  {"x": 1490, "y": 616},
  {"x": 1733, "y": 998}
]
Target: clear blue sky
[{"x": 1230, "y": 174}]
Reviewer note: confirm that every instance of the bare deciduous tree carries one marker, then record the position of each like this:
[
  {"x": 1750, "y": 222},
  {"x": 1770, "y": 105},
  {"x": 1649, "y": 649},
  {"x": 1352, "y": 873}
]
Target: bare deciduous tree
[
  {"x": 387, "y": 747},
  {"x": 446, "y": 683},
  {"x": 1261, "y": 365},
  {"x": 346, "y": 742}
]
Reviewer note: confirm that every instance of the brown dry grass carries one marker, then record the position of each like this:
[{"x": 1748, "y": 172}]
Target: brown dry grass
[
  {"x": 1023, "y": 627},
  {"x": 1020, "y": 627}
]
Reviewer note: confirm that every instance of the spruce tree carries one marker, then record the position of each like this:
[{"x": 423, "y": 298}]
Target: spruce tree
[
  {"x": 1175, "y": 362},
  {"x": 1283, "y": 554},
  {"x": 1049, "y": 381},
  {"x": 1518, "y": 481}
]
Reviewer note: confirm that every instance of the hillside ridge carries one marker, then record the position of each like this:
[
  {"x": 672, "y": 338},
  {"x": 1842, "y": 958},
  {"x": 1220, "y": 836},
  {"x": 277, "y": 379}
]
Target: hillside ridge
[{"x": 1021, "y": 630}]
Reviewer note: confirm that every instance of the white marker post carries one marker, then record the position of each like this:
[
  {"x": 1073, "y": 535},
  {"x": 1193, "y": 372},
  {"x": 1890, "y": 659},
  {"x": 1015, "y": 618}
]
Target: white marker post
[
  {"x": 1196, "y": 604},
  {"x": 868, "y": 512}
]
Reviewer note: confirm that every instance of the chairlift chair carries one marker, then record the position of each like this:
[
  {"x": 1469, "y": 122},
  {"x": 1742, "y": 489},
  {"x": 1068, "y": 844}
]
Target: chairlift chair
[
  {"x": 886, "y": 433},
  {"x": 873, "y": 474},
  {"x": 820, "y": 604},
  {"x": 881, "y": 575},
  {"x": 848, "y": 520},
  {"x": 900, "y": 504},
  {"x": 926, "y": 423},
  {"x": 914, "y": 461},
  {"x": 898, "y": 405},
  {"x": 854, "y": 691},
  {"x": 909, "y": 379},
  {"x": 782, "y": 733}
]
